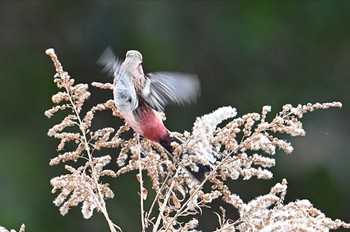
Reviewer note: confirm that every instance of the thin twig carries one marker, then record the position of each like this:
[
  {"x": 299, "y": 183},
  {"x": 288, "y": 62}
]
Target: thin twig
[
  {"x": 140, "y": 179},
  {"x": 178, "y": 213},
  {"x": 162, "y": 208}
]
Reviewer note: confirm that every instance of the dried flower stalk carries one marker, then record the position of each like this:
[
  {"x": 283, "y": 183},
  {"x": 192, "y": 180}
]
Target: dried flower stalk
[
  {"x": 234, "y": 147},
  {"x": 82, "y": 184}
]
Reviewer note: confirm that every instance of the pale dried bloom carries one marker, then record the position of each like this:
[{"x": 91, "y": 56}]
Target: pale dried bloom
[
  {"x": 233, "y": 147},
  {"x": 3, "y": 229},
  {"x": 80, "y": 187},
  {"x": 204, "y": 128},
  {"x": 82, "y": 184},
  {"x": 244, "y": 135},
  {"x": 102, "y": 85},
  {"x": 269, "y": 213}
]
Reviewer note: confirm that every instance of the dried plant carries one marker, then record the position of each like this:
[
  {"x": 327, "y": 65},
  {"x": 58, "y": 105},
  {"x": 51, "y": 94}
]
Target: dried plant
[
  {"x": 234, "y": 147},
  {"x": 22, "y": 229}
]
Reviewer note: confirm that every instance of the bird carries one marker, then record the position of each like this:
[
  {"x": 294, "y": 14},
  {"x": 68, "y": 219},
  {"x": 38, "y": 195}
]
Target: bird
[{"x": 141, "y": 98}]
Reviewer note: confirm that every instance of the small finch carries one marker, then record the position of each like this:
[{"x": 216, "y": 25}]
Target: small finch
[{"x": 141, "y": 98}]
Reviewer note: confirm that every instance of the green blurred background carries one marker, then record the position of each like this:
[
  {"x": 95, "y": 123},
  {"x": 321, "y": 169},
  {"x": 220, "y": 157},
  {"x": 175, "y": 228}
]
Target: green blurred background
[{"x": 246, "y": 54}]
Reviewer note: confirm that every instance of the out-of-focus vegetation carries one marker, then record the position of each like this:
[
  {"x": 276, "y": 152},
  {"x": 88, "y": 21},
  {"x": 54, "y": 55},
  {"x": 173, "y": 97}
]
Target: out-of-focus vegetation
[{"x": 246, "y": 54}]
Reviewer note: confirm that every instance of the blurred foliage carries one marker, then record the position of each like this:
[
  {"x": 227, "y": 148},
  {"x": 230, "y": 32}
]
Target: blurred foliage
[{"x": 246, "y": 54}]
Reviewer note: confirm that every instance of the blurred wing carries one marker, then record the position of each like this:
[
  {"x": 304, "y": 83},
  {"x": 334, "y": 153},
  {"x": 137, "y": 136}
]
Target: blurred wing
[
  {"x": 164, "y": 88},
  {"x": 109, "y": 62},
  {"x": 124, "y": 92}
]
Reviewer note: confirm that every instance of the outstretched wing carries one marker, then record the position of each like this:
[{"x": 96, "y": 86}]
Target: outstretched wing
[
  {"x": 124, "y": 92},
  {"x": 164, "y": 88}
]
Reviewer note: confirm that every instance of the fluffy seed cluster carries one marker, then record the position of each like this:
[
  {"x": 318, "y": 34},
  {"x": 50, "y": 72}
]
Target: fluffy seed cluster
[
  {"x": 269, "y": 213},
  {"x": 234, "y": 147},
  {"x": 22, "y": 229},
  {"x": 81, "y": 187}
]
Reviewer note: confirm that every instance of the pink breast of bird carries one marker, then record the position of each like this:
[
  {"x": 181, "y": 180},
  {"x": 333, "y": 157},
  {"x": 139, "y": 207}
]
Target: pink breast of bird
[{"x": 152, "y": 126}]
